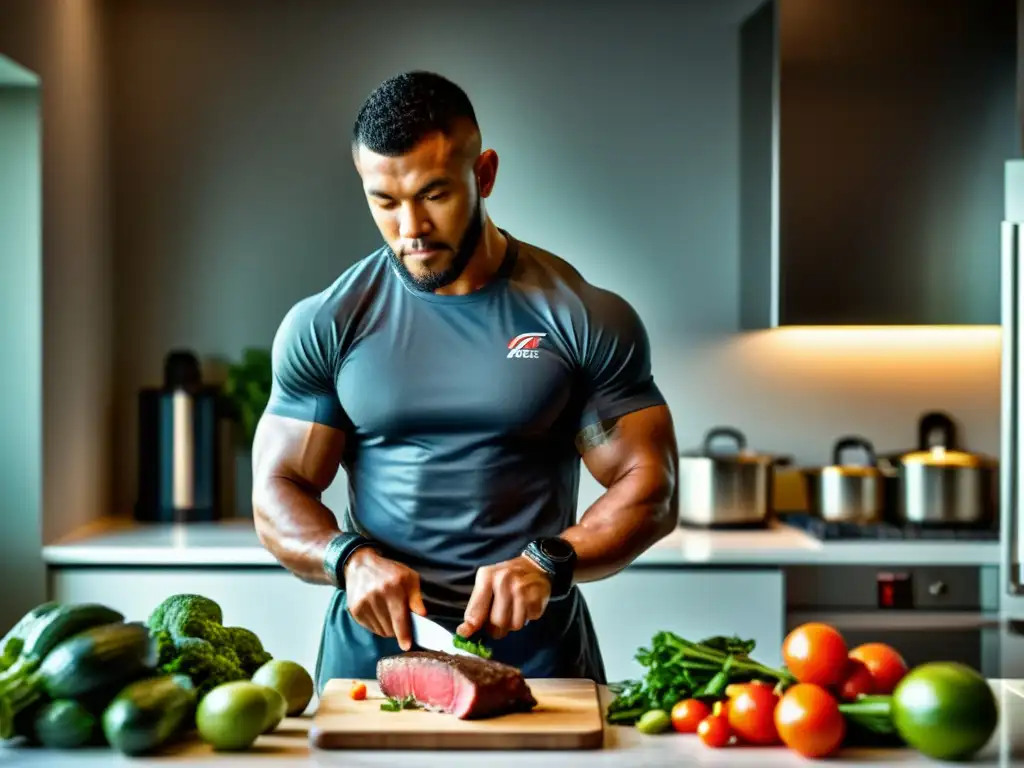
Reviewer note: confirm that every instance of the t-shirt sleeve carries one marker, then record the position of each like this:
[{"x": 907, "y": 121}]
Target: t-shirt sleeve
[
  {"x": 304, "y": 357},
  {"x": 616, "y": 361}
]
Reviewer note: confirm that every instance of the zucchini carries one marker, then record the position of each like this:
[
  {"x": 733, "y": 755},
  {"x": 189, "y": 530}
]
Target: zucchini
[
  {"x": 66, "y": 724},
  {"x": 25, "y": 722},
  {"x": 97, "y": 658},
  {"x": 13, "y": 642},
  {"x": 50, "y": 630},
  {"x": 148, "y": 713}
]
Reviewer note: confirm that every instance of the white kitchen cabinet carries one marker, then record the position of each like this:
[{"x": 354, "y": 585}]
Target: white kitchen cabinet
[
  {"x": 629, "y": 608},
  {"x": 286, "y": 613}
]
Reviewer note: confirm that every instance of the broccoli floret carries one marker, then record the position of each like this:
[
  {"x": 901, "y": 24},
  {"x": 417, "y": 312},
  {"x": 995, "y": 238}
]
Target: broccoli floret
[
  {"x": 164, "y": 643},
  {"x": 191, "y": 640},
  {"x": 250, "y": 650},
  {"x": 177, "y": 609}
]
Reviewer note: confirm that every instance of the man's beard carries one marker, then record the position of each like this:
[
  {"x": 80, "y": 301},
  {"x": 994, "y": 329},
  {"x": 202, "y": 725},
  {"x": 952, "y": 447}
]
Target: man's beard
[{"x": 467, "y": 245}]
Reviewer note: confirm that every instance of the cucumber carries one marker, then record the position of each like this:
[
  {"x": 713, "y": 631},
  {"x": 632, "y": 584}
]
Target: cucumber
[
  {"x": 12, "y": 643},
  {"x": 66, "y": 724},
  {"x": 50, "y": 630},
  {"x": 148, "y": 713},
  {"x": 98, "y": 658}
]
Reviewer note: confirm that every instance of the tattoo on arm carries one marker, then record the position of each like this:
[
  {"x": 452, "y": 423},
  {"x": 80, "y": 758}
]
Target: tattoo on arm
[{"x": 596, "y": 434}]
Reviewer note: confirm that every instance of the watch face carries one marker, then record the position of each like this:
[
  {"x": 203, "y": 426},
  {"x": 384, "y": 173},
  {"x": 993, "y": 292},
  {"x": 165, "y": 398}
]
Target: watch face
[{"x": 555, "y": 548}]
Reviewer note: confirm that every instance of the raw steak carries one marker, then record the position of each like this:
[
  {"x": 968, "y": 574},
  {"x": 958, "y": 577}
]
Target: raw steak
[{"x": 464, "y": 686}]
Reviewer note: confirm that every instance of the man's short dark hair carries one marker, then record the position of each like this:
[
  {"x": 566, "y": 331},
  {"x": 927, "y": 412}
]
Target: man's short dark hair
[{"x": 406, "y": 108}]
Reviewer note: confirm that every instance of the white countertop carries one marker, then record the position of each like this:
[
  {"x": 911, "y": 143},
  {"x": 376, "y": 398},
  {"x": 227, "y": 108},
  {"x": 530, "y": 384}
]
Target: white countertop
[
  {"x": 234, "y": 543},
  {"x": 623, "y": 746}
]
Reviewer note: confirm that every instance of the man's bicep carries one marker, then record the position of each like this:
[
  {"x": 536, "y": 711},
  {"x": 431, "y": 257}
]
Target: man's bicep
[
  {"x": 303, "y": 452},
  {"x": 614, "y": 447}
]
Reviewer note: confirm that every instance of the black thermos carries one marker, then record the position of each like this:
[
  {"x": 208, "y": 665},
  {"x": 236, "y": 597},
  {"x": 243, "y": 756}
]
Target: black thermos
[{"x": 179, "y": 446}]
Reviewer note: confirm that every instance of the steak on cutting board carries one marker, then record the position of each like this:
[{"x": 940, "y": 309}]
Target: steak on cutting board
[{"x": 465, "y": 686}]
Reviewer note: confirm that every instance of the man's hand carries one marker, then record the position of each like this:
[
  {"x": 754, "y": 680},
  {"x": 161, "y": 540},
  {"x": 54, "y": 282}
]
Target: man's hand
[
  {"x": 381, "y": 593},
  {"x": 506, "y": 595}
]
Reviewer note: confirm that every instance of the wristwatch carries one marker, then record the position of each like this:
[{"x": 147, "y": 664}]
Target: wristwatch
[
  {"x": 557, "y": 558},
  {"x": 339, "y": 550}
]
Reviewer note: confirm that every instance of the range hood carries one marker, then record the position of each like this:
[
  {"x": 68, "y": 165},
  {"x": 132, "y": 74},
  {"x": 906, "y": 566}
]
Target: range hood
[{"x": 873, "y": 140}]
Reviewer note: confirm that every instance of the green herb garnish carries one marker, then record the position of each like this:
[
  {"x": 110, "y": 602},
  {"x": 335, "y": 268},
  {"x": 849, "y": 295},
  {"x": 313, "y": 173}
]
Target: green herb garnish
[
  {"x": 477, "y": 649},
  {"x": 676, "y": 669},
  {"x": 396, "y": 705}
]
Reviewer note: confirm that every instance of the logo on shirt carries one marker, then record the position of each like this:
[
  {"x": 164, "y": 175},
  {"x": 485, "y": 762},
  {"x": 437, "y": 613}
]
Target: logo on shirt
[{"x": 525, "y": 345}]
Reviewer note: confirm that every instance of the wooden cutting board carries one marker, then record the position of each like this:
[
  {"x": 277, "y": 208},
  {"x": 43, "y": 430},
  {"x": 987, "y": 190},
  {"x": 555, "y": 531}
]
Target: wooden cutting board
[{"x": 567, "y": 716}]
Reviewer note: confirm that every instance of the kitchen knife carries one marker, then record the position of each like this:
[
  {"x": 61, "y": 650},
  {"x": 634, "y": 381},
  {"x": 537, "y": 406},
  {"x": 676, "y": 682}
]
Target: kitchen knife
[{"x": 431, "y": 636}]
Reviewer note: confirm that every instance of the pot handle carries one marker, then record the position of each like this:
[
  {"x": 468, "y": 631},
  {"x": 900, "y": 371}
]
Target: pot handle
[
  {"x": 731, "y": 432},
  {"x": 853, "y": 441},
  {"x": 936, "y": 421}
]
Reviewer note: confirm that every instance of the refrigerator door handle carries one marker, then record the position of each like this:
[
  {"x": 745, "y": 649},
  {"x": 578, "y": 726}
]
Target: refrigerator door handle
[{"x": 1011, "y": 416}]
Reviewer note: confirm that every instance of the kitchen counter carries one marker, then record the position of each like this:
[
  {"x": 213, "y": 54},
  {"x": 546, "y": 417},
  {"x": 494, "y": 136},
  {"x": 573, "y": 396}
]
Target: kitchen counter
[
  {"x": 623, "y": 746},
  {"x": 234, "y": 543}
]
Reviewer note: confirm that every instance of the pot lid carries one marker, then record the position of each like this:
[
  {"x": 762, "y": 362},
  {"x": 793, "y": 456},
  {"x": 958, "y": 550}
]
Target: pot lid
[
  {"x": 734, "y": 449},
  {"x": 940, "y": 456}
]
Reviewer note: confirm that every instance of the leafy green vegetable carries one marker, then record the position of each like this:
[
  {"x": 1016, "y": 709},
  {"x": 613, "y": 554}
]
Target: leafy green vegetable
[
  {"x": 395, "y": 705},
  {"x": 476, "y": 648},
  {"x": 678, "y": 669}
]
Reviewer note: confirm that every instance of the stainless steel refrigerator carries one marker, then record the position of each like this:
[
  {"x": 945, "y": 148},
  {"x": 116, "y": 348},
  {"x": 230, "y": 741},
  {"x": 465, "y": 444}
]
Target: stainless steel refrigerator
[{"x": 1011, "y": 473}]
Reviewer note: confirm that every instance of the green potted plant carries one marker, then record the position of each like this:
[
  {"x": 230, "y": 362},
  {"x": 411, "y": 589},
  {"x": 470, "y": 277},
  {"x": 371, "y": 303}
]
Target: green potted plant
[{"x": 247, "y": 390}]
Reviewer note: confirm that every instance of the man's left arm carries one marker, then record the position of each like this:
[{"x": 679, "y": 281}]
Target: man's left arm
[{"x": 635, "y": 458}]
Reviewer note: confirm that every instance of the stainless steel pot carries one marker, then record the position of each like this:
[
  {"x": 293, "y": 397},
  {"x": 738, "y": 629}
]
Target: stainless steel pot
[
  {"x": 847, "y": 493},
  {"x": 942, "y": 485},
  {"x": 726, "y": 488}
]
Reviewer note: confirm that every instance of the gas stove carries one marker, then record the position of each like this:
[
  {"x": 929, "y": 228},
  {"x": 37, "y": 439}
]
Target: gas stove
[{"x": 827, "y": 531}]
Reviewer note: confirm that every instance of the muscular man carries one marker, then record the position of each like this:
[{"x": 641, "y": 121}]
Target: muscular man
[{"x": 459, "y": 375}]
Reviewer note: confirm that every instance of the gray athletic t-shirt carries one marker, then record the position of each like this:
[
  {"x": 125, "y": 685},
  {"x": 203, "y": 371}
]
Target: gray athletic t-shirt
[{"x": 460, "y": 412}]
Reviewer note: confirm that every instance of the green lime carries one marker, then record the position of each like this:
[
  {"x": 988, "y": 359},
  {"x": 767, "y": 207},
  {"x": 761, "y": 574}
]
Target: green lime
[
  {"x": 233, "y": 715},
  {"x": 291, "y": 680},
  {"x": 945, "y": 710},
  {"x": 276, "y": 708}
]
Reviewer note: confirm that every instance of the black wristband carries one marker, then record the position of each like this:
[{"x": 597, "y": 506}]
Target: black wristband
[
  {"x": 556, "y": 557},
  {"x": 339, "y": 550}
]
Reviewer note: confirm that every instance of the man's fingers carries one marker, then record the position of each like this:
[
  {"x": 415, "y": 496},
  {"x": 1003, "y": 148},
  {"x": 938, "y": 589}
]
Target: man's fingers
[
  {"x": 501, "y": 611},
  {"x": 416, "y": 598},
  {"x": 519, "y": 608},
  {"x": 365, "y": 616},
  {"x": 398, "y": 613},
  {"x": 479, "y": 607}
]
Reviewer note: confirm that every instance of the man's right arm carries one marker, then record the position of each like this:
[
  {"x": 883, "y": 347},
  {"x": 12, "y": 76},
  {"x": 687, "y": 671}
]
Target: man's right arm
[
  {"x": 294, "y": 462},
  {"x": 297, "y": 450}
]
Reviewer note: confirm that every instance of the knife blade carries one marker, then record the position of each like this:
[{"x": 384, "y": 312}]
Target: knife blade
[{"x": 431, "y": 636}]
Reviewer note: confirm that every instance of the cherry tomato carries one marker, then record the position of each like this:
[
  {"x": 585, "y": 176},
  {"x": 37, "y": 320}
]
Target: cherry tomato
[
  {"x": 752, "y": 715},
  {"x": 714, "y": 731},
  {"x": 733, "y": 689},
  {"x": 358, "y": 691},
  {"x": 809, "y": 721},
  {"x": 687, "y": 714},
  {"x": 815, "y": 653},
  {"x": 856, "y": 682},
  {"x": 885, "y": 663}
]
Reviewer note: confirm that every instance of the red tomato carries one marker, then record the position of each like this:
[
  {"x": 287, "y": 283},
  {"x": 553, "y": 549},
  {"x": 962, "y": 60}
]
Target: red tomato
[
  {"x": 752, "y": 715},
  {"x": 885, "y": 663},
  {"x": 714, "y": 731},
  {"x": 358, "y": 691},
  {"x": 856, "y": 682},
  {"x": 687, "y": 714},
  {"x": 809, "y": 721},
  {"x": 815, "y": 653}
]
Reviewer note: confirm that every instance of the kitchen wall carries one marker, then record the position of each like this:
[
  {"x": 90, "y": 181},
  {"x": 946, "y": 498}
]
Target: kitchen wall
[
  {"x": 617, "y": 132},
  {"x": 56, "y": 441}
]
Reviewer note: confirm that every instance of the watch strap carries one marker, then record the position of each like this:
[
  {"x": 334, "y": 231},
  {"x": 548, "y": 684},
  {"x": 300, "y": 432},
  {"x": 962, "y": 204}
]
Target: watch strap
[
  {"x": 559, "y": 572},
  {"x": 339, "y": 550}
]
